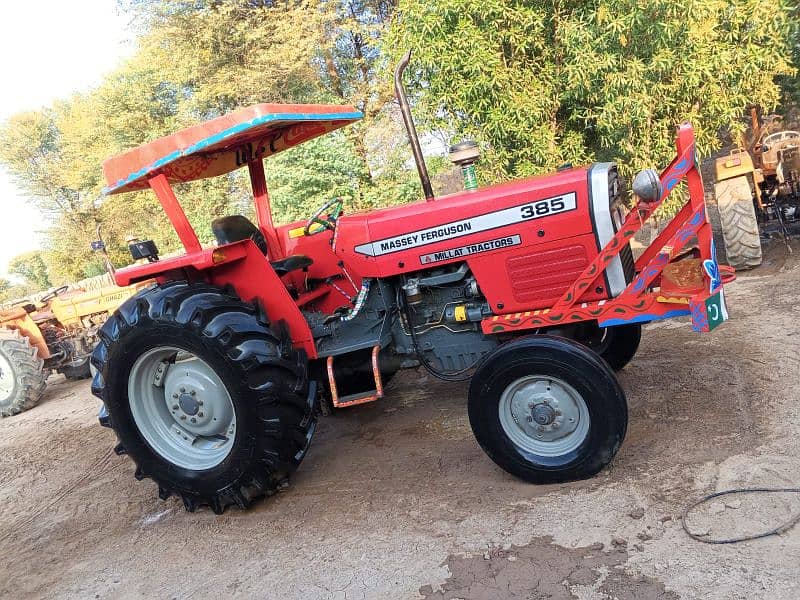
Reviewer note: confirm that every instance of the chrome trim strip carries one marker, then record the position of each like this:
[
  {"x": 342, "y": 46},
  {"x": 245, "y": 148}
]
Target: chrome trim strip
[{"x": 604, "y": 226}]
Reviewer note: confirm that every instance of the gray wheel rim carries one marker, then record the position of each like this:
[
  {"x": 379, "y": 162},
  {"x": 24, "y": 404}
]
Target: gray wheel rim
[
  {"x": 182, "y": 408},
  {"x": 7, "y": 381},
  {"x": 544, "y": 415}
]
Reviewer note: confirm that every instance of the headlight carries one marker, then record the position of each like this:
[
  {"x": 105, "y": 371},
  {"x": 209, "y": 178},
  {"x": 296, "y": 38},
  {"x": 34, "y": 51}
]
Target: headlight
[{"x": 647, "y": 185}]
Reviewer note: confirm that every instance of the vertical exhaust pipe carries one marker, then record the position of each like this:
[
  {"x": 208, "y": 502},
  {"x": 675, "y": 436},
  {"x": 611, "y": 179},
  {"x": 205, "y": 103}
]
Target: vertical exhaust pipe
[{"x": 408, "y": 120}]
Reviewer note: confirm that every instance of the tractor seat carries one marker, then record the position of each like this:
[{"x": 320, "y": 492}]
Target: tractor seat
[
  {"x": 291, "y": 263},
  {"x": 235, "y": 228}
]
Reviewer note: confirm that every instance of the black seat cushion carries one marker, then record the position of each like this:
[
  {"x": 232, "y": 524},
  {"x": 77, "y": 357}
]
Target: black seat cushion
[
  {"x": 291, "y": 263},
  {"x": 236, "y": 228}
]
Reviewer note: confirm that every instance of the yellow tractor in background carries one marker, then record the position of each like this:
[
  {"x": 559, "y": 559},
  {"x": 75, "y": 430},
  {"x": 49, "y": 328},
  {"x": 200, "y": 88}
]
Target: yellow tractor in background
[
  {"x": 757, "y": 187},
  {"x": 56, "y": 332}
]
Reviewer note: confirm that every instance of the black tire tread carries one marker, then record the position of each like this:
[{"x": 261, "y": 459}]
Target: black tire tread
[
  {"x": 564, "y": 354},
  {"x": 623, "y": 346},
  {"x": 28, "y": 372},
  {"x": 738, "y": 223},
  {"x": 76, "y": 373},
  {"x": 255, "y": 349}
]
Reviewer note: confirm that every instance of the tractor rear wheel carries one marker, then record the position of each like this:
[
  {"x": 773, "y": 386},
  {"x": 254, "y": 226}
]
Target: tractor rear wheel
[
  {"x": 547, "y": 409},
  {"x": 738, "y": 222},
  {"x": 22, "y": 377},
  {"x": 204, "y": 396}
]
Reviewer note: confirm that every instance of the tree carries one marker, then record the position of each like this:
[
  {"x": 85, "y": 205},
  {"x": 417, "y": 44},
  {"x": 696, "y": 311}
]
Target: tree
[
  {"x": 545, "y": 83},
  {"x": 32, "y": 268},
  {"x": 791, "y": 84}
]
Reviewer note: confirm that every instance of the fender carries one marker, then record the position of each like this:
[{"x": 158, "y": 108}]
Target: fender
[{"x": 240, "y": 265}]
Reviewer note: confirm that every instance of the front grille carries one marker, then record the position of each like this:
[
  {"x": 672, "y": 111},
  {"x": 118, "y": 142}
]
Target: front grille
[{"x": 628, "y": 264}]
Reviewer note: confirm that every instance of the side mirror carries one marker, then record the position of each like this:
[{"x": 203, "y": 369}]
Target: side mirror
[
  {"x": 144, "y": 250},
  {"x": 647, "y": 186}
]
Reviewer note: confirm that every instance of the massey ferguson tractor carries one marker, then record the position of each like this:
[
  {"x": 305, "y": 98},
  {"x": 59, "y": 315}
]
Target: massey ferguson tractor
[{"x": 213, "y": 377}]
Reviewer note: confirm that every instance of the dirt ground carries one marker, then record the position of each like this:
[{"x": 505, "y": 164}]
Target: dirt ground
[{"x": 396, "y": 499}]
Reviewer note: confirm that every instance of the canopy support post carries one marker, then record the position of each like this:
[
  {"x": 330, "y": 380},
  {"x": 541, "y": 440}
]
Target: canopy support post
[
  {"x": 160, "y": 185},
  {"x": 263, "y": 209}
]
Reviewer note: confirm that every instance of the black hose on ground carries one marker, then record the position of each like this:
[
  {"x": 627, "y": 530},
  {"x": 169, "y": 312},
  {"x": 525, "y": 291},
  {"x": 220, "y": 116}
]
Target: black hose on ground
[{"x": 786, "y": 526}]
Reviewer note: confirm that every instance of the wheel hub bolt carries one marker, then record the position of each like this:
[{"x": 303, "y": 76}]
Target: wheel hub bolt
[
  {"x": 200, "y": 414},
  {"x": 543, "y": 414},
  {"x": 183, "y": 417},
  {"x": 175, "y": 407},
  {"x": 188, "y": 404},
  {"x": 193, "y": 392},
  {"x": 174, "y": 395},
  {"x": 194, "y": 420}
]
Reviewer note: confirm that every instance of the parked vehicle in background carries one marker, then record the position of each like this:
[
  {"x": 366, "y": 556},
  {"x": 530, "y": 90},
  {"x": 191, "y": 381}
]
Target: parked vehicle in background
[
  {"x": 758, "y": 189},
  {"x": 56, "y": 333}
]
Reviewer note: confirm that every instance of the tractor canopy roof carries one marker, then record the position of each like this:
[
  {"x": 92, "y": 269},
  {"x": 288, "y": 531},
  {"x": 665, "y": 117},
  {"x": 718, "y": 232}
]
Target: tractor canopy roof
[{"x": 223, "y": 144}]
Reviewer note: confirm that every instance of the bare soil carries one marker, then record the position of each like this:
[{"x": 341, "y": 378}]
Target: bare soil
[{"x": 396, "y": 499}]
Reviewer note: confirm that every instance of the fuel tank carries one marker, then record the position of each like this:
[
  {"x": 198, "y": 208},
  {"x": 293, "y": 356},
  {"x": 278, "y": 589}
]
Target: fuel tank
[{"x": 525, "y": 241}]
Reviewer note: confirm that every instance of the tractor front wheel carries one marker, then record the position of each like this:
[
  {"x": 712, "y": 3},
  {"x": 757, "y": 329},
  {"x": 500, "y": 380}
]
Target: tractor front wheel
[
  {"x": 617, "y": 345},
  {"x": 22, "y": 377},
  {"x": 547, "y": 409},
  {"x": 204, "y": 396}
]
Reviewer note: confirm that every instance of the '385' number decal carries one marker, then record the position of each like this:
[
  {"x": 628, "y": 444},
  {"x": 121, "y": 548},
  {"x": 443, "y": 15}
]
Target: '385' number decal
[
  {"x": 468, "y": 226},
  {"x": 543, "y": 208}
]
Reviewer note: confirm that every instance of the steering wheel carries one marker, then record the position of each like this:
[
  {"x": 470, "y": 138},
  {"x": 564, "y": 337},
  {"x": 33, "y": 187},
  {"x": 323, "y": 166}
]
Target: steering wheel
[
  {"x": 54, "y": 293},
  {"x": 328, "y": 222},
  {"x": 780, "y": 136}
]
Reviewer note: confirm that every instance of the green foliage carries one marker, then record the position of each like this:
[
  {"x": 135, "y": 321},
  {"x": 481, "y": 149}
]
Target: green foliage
[
  {"x": 543, "y": 83},
  {"x": 196, "y": 60},
  {"x": 32, "y": 268},
  {"x": 11, "y": 292},
  {"x": 305, "y": 177},
  {"x": 791, "y": 84},
  {"x": 537, "y": 83}
]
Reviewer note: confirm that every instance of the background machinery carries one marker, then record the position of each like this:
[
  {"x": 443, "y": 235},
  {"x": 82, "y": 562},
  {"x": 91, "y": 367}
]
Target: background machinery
[
  {"x": 758, "y": 189},
  {"x": 56, "y": 333}
]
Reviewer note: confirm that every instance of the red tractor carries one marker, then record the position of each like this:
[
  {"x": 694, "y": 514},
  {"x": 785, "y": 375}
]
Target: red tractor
[{"x": 213, "y": 378}]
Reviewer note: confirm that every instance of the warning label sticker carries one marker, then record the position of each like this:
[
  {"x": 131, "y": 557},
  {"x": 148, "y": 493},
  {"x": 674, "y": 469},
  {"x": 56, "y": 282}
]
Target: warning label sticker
[{"x": 469, "y": 249}]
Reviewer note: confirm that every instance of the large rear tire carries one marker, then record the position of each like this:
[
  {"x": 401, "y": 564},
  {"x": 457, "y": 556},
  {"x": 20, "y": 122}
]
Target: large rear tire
[
  {"x": 738, "y": 222},
  {"x": 547, "y": 409},
  {"x": 22, "y": 377},
  {"x": 204, "y": 395}
]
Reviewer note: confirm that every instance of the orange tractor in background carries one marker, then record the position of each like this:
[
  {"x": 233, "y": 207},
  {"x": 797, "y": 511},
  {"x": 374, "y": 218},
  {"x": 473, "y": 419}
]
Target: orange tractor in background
[
  {"x": 56, "y": 333},
  {"x": 757, "y": 187}
]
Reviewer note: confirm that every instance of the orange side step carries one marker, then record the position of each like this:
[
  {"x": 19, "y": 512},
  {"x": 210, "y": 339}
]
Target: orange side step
[{"x": 360, "y": 398}]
